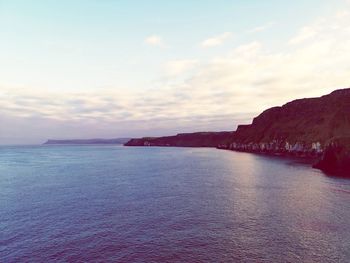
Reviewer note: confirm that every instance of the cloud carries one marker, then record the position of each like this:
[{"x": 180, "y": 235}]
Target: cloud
[
  {"x": 216, "y": 40},
  {"x": 247, "y": 50},
  {"x": 177, "y": 67},
  {"x": 213, "y": 94},
  {"x": 261, "y": 28},
  {"x": 155, "y": 40},
  {"x": 305, "y": 33},
  {"x": 316, "y": 65}
]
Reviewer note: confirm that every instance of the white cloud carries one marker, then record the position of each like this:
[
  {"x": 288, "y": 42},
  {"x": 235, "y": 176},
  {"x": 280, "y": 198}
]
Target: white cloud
[
  {"x": 343, "y": 13},
  {"x": 155, "y": 40},
  {"x": 216, "y": 40},
  {"x": 247, "y": 50},
  {"x": 306, "y": 33},
  {"x": 261, "y": 77},
  {"x": 177, "y": 67},
  {"x": 261, "y": 28}
]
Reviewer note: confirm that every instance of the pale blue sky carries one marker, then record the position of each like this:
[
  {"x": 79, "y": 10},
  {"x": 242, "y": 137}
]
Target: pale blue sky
[{"x": 123, "y": 58}]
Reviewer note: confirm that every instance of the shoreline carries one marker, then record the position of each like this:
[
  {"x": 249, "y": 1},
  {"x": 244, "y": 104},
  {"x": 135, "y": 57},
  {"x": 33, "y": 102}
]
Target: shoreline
[{"x": 309, "y": 160}]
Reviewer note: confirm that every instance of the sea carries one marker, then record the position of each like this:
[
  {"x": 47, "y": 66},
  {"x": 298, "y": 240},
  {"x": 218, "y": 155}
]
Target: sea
[{"x": 150, "y": 204}]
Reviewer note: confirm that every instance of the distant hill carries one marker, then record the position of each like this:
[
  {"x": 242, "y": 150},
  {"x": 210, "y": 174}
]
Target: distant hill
[
  {"x": 196, "y": 139},
  {"x": 89, "y": 141}
]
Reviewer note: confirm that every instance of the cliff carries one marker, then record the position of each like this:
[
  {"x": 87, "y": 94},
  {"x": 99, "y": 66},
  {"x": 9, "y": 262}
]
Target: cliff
[
  {"x": 89, "y": 141},
  {"x": 314, "y": 127},
  {"x": 299, "y": 124},
  {"x": 197, "y": 139}
]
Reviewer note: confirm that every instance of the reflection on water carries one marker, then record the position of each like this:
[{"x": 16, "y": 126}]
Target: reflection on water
[{"x": 108, "y": 203}]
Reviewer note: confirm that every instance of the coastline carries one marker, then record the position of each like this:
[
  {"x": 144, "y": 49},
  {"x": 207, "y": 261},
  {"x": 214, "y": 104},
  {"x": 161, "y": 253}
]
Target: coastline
[
  {"x": 310, "y": 128},
  {"x": 312, "y": 161}
]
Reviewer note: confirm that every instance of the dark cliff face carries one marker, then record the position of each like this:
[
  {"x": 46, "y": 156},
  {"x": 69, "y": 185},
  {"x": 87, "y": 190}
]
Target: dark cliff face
[
  {"x": 336, "y": 157},
  {"x": 303, "y": 125},
  {"x": 315, "y": 127},
  {"x": 197, "y": 139}
]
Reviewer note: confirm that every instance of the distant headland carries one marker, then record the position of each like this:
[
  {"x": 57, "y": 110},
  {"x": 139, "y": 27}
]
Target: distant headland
[
  {"x": 89, "y": 141},
  {"x": 316, "y": 128}
]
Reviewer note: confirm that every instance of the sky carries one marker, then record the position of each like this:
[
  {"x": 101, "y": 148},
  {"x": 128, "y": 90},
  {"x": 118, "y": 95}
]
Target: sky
[{"x": 130, "y": 68}]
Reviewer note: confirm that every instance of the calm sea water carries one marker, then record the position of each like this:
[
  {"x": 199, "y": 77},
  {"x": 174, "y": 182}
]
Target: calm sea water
[{"x": 120, "y": 204}]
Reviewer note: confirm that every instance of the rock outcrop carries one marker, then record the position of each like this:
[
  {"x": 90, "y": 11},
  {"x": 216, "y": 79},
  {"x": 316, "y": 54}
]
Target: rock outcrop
[
  {"x": 196, "y": 139},
  {"x": 336, "y": 157}
]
